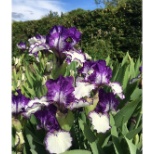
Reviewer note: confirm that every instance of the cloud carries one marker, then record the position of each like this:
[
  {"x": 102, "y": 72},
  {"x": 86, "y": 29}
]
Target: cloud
[
  {"x": 17, "y": 15},
  {"x": 34, "y": 9}
]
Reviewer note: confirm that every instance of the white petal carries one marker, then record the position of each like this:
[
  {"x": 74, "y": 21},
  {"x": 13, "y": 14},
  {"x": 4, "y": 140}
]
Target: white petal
[
  {"x": 42, "y": 100},
  {"x": 88, "y": 57},
  {"x": 58, "y": 142},
  {"x": 75, "y": 56},
  {"x": 83, "y": 89},
  {"x": 35, "y": 105},
  {"x": 30, "y": 110},
  {"x": 33, "y": 40},
  {"x": 116, "y": 87},
  {"x": 100, "y": 122}
]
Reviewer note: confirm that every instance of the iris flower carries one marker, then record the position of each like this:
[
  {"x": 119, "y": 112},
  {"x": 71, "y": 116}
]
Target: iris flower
[
  {"x": 62, "y": 41},
  {"x": 22, "y": 45},
  {"x": 56, "y": 139},
  {"x": 100, "y": 116},
  {"x": 66, "y": 94},
  {"x": 37, "y": 43}
]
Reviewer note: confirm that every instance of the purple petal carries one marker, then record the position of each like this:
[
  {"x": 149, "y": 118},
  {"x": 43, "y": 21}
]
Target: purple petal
[
  {"x": 107, "y": 102},
  {"x": 47, "y": 118},
  {"x": 56, "y": 38},
  {"x": 96, "y": 72},
  {"x": 60, "y": 90},
  {"x": 62, "y": 39},
  {"x": 21, "y": 45},
  {"x": 19, "y": 103}
]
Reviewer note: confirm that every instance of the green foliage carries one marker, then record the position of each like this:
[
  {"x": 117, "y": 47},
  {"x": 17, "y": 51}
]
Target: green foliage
[
  {"x": 66, "y": 121},
  {"x": 110, "y": 31},
  {"x": 125, "y": 135}
]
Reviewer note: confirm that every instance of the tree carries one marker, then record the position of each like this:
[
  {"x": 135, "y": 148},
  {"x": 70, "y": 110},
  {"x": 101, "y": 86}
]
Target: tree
[{"x": 108, "y": 3}]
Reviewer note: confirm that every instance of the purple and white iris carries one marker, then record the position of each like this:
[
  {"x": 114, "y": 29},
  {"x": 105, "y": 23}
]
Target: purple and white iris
[
  {"x": 62, "y": 41},
  {"x": 100, "y": 117},
  {"x": 75, "y": 55},
  {"x": 22, "y": 45},
  {"x": 37, "y": 43},
  {"x": 66, "y": 94},
  {"x": 56, "y": 140},
  {"x": 96, "y": 72}
]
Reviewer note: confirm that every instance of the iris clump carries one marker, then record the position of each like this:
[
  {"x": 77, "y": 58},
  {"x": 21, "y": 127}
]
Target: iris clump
[{"x": 67, "y": 91}]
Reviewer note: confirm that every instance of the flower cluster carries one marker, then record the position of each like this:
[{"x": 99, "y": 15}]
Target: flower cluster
[{"x": 68, "y": 92}]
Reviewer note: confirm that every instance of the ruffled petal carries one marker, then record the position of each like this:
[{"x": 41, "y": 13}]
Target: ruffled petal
[
  {"x": 82, "y": 93},
  {"x": 83, "y": 89},
  {"x": 62, "y": 39},
  {"x": 60, "y": 91},
  {"x": 117, "y": 89},
  {"x": 58, "y": 141},
  {"x": 37, "y": 43},
  {"x": 96, "y": 72},
  {"x": 35, "y": 105},
  {"x": 75, "y": 55},
  {"x": 47, "y": 118},
  {"x": 100, "y": 122}
]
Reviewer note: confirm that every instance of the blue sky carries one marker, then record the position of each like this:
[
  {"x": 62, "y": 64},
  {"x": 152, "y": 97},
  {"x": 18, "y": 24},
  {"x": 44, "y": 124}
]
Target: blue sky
[{"x": 23, "y": 10}]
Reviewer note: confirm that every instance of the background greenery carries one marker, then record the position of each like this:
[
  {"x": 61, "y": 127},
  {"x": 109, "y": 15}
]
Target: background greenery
[{"x": 112, "y": 30}]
